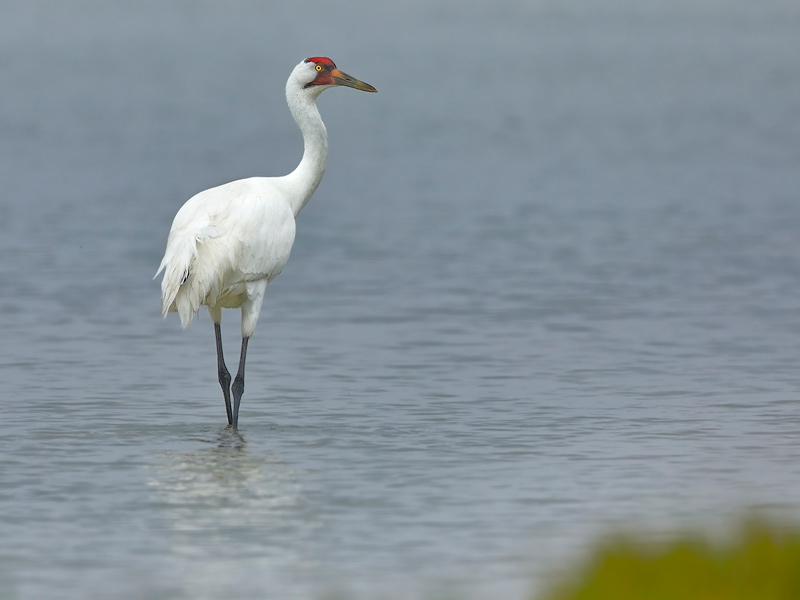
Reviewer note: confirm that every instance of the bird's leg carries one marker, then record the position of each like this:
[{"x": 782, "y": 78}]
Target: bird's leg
[
  {"x": 224, "y": 374},
  {"x": 238, "y": 383}
]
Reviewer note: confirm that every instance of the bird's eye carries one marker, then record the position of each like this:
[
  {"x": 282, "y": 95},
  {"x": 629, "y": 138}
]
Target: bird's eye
[{"x": 319, "y": 67}]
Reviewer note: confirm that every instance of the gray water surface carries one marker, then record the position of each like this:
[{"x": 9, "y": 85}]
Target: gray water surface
[{"x": 548, "y": 288}]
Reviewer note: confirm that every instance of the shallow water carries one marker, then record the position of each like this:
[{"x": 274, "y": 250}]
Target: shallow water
[{"x": 547, "y": 288}]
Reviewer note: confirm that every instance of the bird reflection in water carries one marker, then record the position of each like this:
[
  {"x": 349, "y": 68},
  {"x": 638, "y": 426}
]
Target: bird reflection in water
[
  {"x": 228, "y": 512},
  {"x": 221, "y": 491}
]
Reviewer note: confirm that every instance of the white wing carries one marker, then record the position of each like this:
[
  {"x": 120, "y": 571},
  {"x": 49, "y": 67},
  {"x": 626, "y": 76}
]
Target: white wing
[{"x": 221, "y": 239}]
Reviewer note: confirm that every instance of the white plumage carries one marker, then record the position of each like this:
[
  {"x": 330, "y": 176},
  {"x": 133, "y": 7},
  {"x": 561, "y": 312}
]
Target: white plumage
[
  {"x": 227, "y": 243},
  {"x": 222, "y": 242}
]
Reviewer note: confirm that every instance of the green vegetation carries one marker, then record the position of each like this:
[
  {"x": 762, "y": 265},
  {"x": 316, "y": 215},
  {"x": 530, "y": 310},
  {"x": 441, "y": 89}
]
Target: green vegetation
[{"x": 762, "y": 562}]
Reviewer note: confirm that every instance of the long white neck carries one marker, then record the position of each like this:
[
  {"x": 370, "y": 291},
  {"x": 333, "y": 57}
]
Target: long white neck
[{"x": 301, "y": 183}]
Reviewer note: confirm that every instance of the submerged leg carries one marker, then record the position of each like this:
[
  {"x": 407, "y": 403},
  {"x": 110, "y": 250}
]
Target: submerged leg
[
  {"x": 223, "y": 373},
  {"x": 238, "y": 383}
]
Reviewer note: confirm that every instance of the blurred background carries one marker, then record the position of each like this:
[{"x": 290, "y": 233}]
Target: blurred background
[{"x": 547, "y": 289}]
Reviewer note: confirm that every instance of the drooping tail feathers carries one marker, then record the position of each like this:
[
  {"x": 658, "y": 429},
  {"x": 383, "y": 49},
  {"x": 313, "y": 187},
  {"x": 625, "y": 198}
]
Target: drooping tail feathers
[
  {"x": 193, "y": 268},
  {"x": 176, "y": 295}
]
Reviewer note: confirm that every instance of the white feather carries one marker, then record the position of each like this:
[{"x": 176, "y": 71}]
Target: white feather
[{"x": 221, "y": 240}]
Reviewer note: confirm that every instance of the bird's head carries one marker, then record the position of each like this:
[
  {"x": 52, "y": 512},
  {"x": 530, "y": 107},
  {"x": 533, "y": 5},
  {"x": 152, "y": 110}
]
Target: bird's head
[{"x": 319, "y": 73}]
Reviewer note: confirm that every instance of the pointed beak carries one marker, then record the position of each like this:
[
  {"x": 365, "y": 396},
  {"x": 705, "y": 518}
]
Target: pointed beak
[{"x": 340, "y": 78}]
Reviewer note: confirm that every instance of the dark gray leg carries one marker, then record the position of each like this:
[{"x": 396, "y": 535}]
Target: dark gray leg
[
  {"x": 223, "y": 373},
  {"x": 238, "y": 383}
]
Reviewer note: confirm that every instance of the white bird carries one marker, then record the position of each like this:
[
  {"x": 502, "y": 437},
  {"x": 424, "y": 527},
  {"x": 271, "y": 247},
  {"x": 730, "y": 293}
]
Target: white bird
[{"x": 227, "y": 243}]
